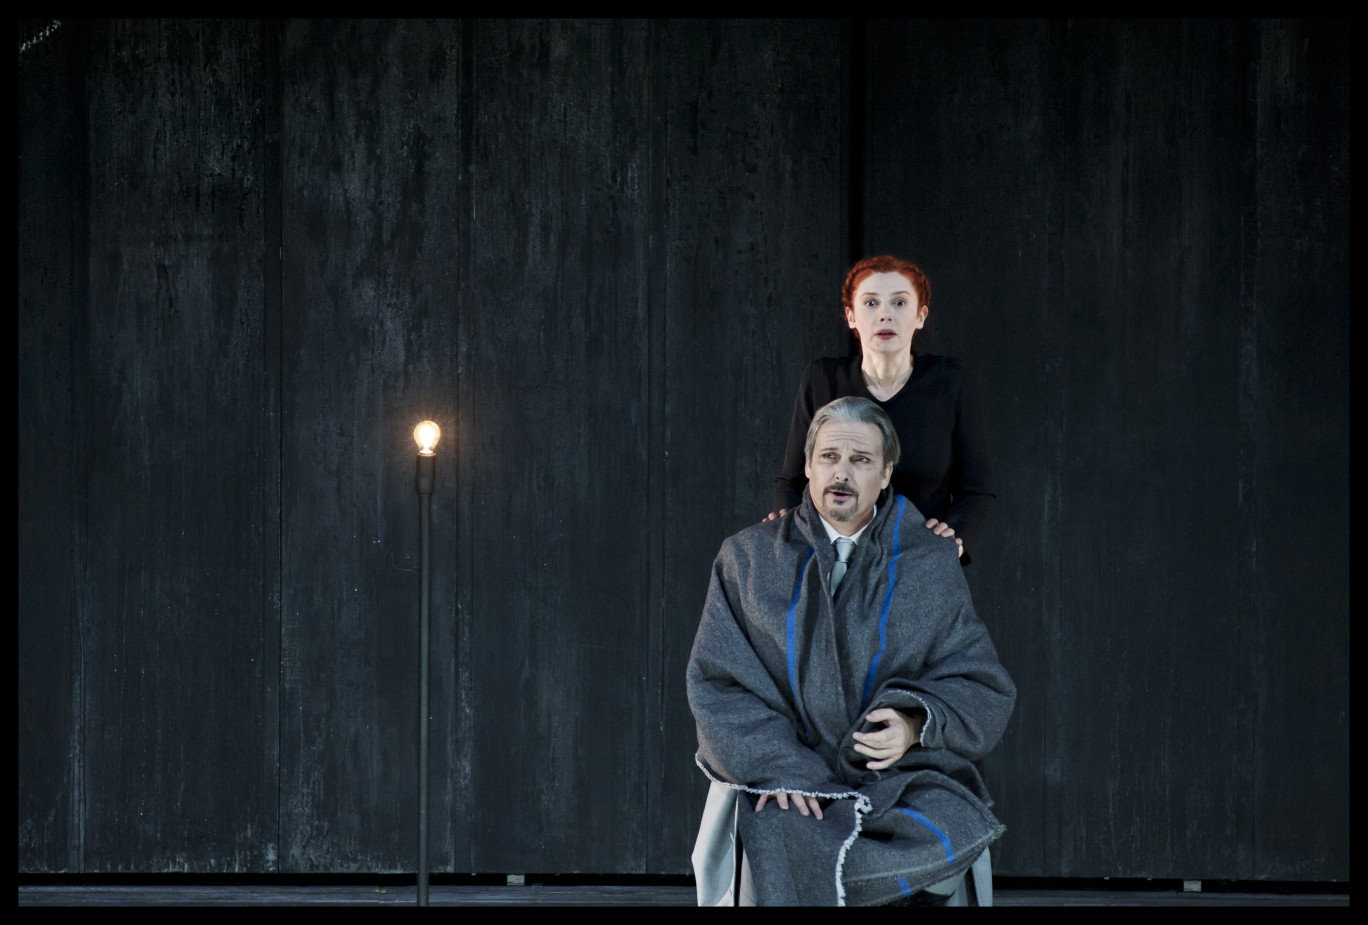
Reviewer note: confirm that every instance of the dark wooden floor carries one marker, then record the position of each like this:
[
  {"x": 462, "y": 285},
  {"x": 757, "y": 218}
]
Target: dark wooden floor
[{"x": 579, "y": 895}]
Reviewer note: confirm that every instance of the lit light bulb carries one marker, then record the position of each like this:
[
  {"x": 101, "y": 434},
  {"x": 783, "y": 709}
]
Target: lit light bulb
[{"x": 426, "y": 435}]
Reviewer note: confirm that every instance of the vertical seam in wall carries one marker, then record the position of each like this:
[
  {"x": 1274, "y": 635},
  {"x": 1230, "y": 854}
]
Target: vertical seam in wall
[
  {"x": 277, "y": 185},
  {"x": 656, "y": 259},
  {"x": 857, "y": 103},
  {"x": 1058, "y": 229},
  {"x": 1248, "y": 642},
  {"x": 79, "y": 44},
  {"x": 465, "y": 407}
]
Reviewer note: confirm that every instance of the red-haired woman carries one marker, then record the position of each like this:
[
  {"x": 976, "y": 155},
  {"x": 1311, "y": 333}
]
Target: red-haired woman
[{"x": 944, "y": 468}]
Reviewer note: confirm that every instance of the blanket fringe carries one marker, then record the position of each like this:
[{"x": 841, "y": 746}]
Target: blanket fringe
[{"x": 862, "y": 806}]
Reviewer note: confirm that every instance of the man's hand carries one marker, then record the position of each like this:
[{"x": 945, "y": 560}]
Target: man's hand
[
  {"x": 808, "y": 806},
  {"x": 941, "y": 528},
  {"x": 885, "y": 746},
  {"x": 775, "y": 515}
]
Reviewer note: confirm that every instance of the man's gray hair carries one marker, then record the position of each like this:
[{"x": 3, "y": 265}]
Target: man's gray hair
[{"x": 854, "y": 409}]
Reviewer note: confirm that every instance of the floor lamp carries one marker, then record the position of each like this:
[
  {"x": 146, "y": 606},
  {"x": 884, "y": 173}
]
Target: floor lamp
[{"x": 426, "y": 435}]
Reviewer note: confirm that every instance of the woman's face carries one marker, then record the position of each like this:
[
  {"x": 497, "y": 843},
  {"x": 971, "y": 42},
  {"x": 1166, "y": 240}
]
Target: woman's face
[{"x": 886, "y": 314}]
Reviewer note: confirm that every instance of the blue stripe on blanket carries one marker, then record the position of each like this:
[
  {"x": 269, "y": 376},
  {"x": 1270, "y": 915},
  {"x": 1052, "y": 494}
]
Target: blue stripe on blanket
[
  {"x": 887, "y": 602},
  {"x": 944, "y": 839},
  {"x": 902, "y": 885},
  {"x": 791, "y": 633}
]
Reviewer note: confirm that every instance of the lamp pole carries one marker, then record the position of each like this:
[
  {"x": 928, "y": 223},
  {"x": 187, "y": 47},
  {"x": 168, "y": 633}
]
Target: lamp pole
[{"x": 426, "y": 435}]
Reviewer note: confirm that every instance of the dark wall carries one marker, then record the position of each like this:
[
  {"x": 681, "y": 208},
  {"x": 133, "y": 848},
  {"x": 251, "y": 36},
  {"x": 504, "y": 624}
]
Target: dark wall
[
  {"x": 51, "y": 283},
  {"x": 544, "y": 236},
  {"x": 1138, "y": 239},
  {"x": 254, "y": 255}
]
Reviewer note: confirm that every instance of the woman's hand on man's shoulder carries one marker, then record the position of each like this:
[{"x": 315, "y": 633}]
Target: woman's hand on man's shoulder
[{"x": 941, "y": 528}]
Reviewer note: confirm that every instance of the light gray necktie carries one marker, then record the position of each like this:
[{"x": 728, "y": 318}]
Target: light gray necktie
[{"x": 844, "y": 547}]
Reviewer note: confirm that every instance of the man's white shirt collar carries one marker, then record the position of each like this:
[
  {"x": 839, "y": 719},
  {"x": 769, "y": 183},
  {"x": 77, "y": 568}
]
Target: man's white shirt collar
[{"x": 833, "y": 534}]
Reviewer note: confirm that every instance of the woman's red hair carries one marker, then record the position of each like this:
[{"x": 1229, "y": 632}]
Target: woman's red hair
[{"x": 885, "y": 264}]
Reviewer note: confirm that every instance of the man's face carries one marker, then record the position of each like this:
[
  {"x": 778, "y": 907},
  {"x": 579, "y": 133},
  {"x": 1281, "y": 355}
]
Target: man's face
[{"x": 846, "y": 473}]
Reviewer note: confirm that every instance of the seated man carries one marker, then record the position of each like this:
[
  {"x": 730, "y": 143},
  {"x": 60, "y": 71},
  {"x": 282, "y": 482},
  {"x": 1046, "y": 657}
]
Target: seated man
[{"x": 846, "y": 688}]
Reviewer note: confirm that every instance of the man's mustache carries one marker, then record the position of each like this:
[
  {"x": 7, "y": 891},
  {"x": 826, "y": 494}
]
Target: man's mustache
[{"x": 842, "y": 486}]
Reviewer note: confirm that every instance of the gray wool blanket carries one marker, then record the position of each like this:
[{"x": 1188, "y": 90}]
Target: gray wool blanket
[{"x": 781, "y": 676}]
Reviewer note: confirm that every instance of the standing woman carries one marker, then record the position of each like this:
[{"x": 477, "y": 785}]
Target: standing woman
[{"x": 944, "y": 469}]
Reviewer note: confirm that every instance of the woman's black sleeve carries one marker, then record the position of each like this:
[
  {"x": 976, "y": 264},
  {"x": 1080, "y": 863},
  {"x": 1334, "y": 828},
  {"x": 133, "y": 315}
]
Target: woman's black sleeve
[
  {"x": 791, "y": 481},
  {"x": 971, "y": 477}
]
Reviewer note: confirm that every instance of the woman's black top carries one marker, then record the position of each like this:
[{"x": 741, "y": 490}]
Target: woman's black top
[{"x": 944, "y": 469}]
